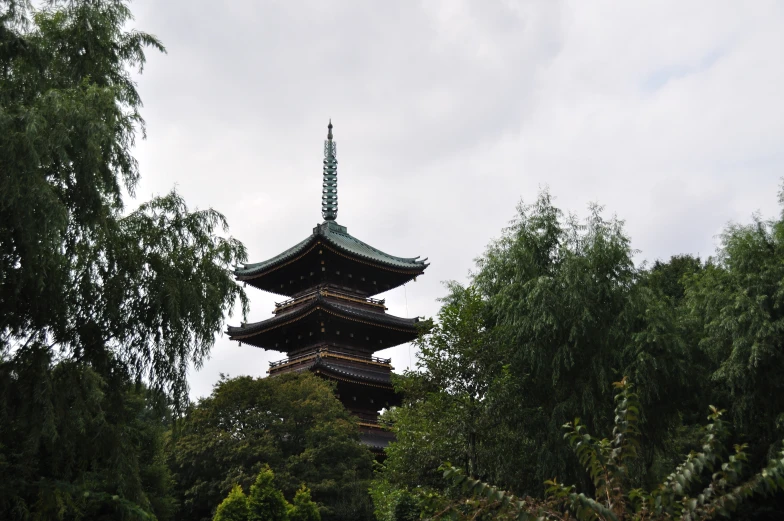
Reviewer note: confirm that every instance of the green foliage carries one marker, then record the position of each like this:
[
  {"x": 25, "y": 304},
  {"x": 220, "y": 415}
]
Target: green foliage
[
  {"x": 563, "y": 305},
  {"x": 293, "y": 423},
  {"x": 554, "y": 312},
  {"x": 68, "y": 118},
  {"x": 148, "y": 289},
  {"x": 737, "y": 303},
  {"x": 265, "y": 501},
  {"x": 407, "y": 507},
  {"x": 447, "y": 414},
  {"x": 670, "y": 278},
  {"x": 555, "y": 309},
  {"x": 234, "y": 507},
  {"x": 302, "y": 507},
  {"x": 385, "y": 497},
  {"x": 93, "y": 300},
  {"x": 606, "y": 462},
  {"x": 73, "y": 444},
  {"x": 167, "y": 282},
  {"x": 663, "y": 349},
  {"x": 395, "y": 503}
]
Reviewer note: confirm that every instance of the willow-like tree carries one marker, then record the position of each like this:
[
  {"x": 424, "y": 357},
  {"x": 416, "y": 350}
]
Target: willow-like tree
[
  {"x": 555, "y": 308},
  {"x": 93, "y": 300},
  {"x": 737, "y": 302}
]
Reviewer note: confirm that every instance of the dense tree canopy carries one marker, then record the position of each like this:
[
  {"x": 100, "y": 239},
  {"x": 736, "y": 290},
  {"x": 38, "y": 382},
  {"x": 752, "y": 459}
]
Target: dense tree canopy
[
  {"x": 737, "y": 303},
  {"x": 74, "y": 444},
  {"x": 101, "y": 311},
  {"x": 555, "y": 311},
  {"x": 234, "y": 507},
  {"x": 148, "y": 289},
  {"x": 706, "y": 485},
  {"x": 293, "y": 423},
  {"x": 265, "y": 501}
]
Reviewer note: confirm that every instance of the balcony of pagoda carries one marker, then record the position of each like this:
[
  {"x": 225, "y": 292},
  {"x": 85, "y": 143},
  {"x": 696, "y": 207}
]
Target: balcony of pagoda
[
  {"x": 331, "y": 354},
  {"x": 367, "y": 419},
  {"x": 364, "y": 383},
  {"x": 331, "y": 292},
  {"x": 377, "y": 440}
]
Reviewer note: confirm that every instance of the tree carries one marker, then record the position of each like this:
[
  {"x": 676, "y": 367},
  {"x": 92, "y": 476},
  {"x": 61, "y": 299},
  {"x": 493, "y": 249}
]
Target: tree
[
  {"x": 147, "y": 290},
  {"x": 665, "y": 349},
  {"x": 670, "y": 278},
  {"x": 96, "y": 304},
  {"x": 563, "y": 303},
  {"x": 234, "y": 507},
  {"x": 96, "y": 450},
  {"x": 445, "y": 414},
  {"x": 265, "y": 502},
  {"x": 293, "y": 423},
  {"x": 555, "y": 309},
  {"x": 303, "y": 508},
  {"x": 606, "y": 461},
  {"x": 737, "y": 303}
]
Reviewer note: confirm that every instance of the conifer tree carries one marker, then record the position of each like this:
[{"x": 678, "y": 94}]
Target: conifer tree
[
  {"x": 303, "y": 508},
  {"x": 234, "y": 507},
  {"x": 265, "y": 502}
]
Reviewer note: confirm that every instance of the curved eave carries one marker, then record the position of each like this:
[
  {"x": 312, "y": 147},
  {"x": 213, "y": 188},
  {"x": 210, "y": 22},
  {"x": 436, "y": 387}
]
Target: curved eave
[
  {"x": 335, "y": 237},
  {"x": 376, "y": 441},
  {"x": 339, "y": 237},
  {"x": 253, "y": 333},
  {"x": 352, "y": 374},
  {"x": 258, "y": 269}
]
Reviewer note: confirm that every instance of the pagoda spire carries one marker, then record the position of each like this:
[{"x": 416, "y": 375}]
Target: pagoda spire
[{"x": 329, "y": 192}]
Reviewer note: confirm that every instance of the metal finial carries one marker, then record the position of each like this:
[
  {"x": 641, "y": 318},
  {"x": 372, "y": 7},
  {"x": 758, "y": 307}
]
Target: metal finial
[{"x": 329, "y": 192}]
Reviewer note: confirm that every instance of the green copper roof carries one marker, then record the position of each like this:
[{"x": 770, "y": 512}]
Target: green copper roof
[{"x": 335, "y": 235}]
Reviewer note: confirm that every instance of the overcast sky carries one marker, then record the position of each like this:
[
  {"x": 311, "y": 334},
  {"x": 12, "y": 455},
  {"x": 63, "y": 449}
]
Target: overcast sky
[{"x": 447, "y": 114}]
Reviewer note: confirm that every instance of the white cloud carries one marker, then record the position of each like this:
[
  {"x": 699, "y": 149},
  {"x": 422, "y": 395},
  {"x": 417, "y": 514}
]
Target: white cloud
[{"x": 447, "y": 113}]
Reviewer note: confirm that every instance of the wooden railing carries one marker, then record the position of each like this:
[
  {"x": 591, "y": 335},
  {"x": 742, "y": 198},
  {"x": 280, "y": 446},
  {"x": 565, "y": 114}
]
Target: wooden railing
[
  {"x": 280, "y": 306},
  {"x": 291, "y": 360},
  {"x": 373, "y": 424},
  {"x": 329, "y": 353},
  {"x": 366, "y": 417}
]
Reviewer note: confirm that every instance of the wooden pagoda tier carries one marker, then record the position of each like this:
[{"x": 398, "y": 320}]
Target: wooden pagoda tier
[
  {"x": 325, "y": 315},
  {"x": 363, "y": 385},
  {"x": 333, "y": 334},
  {"x": 331, "y": 326},
  {"x": 331, "y": 255}
]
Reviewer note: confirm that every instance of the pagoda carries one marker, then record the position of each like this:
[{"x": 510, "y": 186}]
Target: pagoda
[{"x": 330, "y": 324}]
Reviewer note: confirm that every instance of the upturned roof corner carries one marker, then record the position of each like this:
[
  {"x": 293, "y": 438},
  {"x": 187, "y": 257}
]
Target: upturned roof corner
[{"x": 332, "y": 235}]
